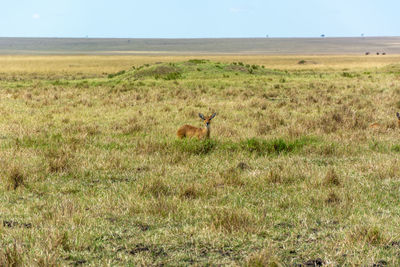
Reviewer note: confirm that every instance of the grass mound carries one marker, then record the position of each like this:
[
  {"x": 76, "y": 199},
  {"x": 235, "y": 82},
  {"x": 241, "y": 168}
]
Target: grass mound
[{"x": 193, "y": 68}]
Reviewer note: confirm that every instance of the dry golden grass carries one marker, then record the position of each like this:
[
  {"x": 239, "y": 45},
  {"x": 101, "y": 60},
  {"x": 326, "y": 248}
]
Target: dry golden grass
[
  {"x": 62, "y": 66},
  {"x": 92, "y": 172}
]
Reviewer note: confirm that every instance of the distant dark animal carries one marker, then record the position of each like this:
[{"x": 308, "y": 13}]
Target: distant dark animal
[
  {"x": 398, "y": 118},
  {"x": 377, "y": 125},
  {"x": 366, "y": 53},
  {"x": 383, "y": 53},
  {"x": 377, "y": 53}
]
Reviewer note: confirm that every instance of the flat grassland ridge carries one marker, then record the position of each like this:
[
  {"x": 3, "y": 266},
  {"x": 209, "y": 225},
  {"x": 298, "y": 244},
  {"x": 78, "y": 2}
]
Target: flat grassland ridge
[
  {"x": 114, "y": 46},
  {"x": 92, "y": 173}
]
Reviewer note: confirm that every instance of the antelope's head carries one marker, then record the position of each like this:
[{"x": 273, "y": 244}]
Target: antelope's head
[{"x": 207, "y": 120}]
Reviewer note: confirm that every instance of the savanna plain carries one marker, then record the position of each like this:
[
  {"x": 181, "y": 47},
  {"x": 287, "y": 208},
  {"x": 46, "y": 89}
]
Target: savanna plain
[{"x": 301, "y": 169}]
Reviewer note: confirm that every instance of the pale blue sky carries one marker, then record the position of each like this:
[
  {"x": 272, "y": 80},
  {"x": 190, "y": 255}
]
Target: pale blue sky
[{"x": 198, "y": 18}]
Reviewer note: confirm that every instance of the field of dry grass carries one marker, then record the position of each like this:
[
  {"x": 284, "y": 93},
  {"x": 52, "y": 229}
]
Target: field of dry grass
[{"x": 92, "y": 172}]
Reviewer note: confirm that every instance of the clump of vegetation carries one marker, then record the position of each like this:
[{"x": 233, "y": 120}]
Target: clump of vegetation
[
  {"x": 347, "y": 74},
  {"x": 332, "y": 198},
  {"x": 59, "y": 159},
  {"x": 165, "y": 72},
  {"x": 396, "y": 148},
  {"x": 331, "y": 178},
  {"x": 194, "y": 146},
  {"x": 15, "y": 177},
  {"x": 232, "y": 176},
  {"x": 112, "y": 75},
  {"x": 266, "y": 257},
  {"x": 273, "y": 146},
  {"x": 198, "y": 61},
  {"x": 156, "y": 188},
  {"x": 11, "y": 255},
  {"x": 368, "y": 234},
  {"x": 232, "y": 220},
  {"x": 191, "y": 191}
]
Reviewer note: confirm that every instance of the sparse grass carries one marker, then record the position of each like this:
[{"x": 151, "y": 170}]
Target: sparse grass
[{"x": 92, "y": 171}]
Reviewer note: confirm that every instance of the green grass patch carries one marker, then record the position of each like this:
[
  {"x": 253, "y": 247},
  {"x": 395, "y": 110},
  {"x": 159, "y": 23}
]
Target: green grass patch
[
  {"x": 194, "y": 146},
  {"x": 396, "y": 148},
  {"x": 274, "y": 146},
  {"x": 257, "y": 146}
]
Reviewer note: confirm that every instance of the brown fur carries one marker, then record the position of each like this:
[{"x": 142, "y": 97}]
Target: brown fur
[
  {"x": 375, "y": 125},
  {"x": 191, "y": 131}
]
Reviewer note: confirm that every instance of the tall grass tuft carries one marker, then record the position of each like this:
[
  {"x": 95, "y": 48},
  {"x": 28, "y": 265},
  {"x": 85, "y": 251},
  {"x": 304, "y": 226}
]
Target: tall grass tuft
[
  {"x": 11, "y": 255},
  {"x": 16, "y": 177}
]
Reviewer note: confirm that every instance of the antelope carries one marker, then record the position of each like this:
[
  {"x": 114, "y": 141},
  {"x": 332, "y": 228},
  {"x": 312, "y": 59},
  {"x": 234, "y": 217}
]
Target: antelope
[
  {"x": 376, "y": 125},
  {"x": 191, "y": 131}
]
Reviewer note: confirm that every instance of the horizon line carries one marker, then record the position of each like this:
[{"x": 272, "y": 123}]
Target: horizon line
[{"x": 266, "y": 37}]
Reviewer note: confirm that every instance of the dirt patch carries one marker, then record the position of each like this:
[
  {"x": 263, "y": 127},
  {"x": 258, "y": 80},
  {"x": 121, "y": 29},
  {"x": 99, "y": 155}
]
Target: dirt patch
[
  {"x": 143, "y": 227},
  {"x": 12, "y": 224},
  {"x": 316, "y": 262},
  {"x": 75, "y": 262},
  {"x": 154, "y": 250},
  {"x": 79, "y": 262},
  {"x": 380, "y": 263},
  {"x": 139, "y": 248},
  {"x": 243, "y": 166},
  {"x": 332, "y": 198},
  {"x": 142, "y": 169},
  {"x": 190, "y": 192}
]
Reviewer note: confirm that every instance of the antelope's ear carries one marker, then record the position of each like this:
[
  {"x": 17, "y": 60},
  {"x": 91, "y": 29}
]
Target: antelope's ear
[
  {"x": 201, "y": 116},
  {"x": 213, "y": 115},
  {"x": 398, "y": 115}
]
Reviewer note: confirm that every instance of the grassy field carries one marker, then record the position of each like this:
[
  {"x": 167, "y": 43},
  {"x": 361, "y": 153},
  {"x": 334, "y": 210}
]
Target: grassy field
[{"x": 92, "y": 172}]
